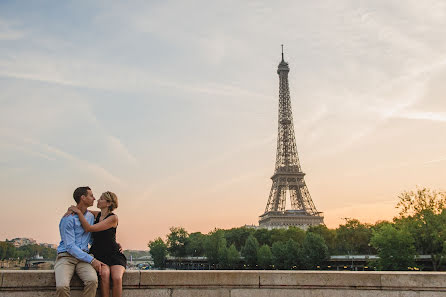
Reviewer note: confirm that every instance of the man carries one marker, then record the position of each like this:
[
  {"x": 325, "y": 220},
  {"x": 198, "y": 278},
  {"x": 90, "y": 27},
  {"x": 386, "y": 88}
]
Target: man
[{"x": 72, "y": 252}]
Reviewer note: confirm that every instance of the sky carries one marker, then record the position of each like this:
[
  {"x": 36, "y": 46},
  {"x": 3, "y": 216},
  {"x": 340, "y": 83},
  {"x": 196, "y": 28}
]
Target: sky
[{"x": 173, "y": 106}]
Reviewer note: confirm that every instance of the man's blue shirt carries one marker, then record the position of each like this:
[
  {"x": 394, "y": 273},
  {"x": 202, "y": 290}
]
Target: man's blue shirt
[{"x": 74, "y": 239}]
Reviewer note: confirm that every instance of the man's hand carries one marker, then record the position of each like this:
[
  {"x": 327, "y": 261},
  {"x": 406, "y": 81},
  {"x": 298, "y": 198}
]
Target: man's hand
[{"x": 97, "y": 265}]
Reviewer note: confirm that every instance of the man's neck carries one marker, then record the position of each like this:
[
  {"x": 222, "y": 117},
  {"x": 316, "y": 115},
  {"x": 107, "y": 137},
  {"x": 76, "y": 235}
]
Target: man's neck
[{"x": 82, "y": 207}]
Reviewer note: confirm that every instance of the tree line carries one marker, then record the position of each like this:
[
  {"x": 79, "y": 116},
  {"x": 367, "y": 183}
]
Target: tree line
[
  {"x": 9, "y": 251},
  {"x": 419, "y": 229}
]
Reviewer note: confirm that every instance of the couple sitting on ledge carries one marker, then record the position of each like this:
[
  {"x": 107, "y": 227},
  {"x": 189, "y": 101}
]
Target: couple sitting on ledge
[{"x": 80, "y": 227}]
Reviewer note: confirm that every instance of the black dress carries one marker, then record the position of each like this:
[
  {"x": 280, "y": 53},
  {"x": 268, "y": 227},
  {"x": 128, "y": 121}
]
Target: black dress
[{"x": 105, "y": 248}]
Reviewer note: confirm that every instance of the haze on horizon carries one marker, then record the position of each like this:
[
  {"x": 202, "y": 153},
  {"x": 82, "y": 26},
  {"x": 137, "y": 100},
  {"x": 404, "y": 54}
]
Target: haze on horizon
[{"x": 173, "y": 106}]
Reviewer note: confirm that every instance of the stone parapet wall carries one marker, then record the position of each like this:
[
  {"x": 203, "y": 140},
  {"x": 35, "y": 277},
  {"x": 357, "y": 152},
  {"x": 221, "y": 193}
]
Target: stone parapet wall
[{"x": 243, "y": 283}]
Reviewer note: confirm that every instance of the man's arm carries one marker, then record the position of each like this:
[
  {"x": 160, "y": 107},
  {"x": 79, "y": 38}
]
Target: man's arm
[{"x": 68, "y": 237}]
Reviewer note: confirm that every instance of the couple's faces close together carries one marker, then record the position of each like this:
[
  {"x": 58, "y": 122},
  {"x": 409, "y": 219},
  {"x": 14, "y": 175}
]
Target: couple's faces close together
[{"x": 89, "y": 199}]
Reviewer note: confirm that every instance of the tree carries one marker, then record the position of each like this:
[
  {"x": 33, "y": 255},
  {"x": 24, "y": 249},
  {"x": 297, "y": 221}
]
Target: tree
[
  {"x": 315, "y": 251},
  {"x": 329, "y": 236},
  {"x": 176, "y": 241},
  {"x": 279, "y": 255},
  {"x": 214, "y": 242},
  {"x": 222, "y": 254},
  {"x": 264, "y": 257},
  {"x": 422, "y": 212},
  {"x": 249, "y": 251},
  {"x": 238, "y": 236},
  {"x": 158, "y": 251},
  {"x": 395, "y": 248},
  {"x": 263, "y": 236},
  {"x": 353, "y": 238},
  {"x": 415, "y": 203},
  {"x": 7, "y": 250},
  {"x": 233, "y": 256},
  {"x": 195, "y": 244},
  {"x": 294, "y": 259}
]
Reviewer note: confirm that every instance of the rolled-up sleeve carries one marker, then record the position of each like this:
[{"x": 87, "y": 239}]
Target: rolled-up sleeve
[{"x": 68, "y": 237}]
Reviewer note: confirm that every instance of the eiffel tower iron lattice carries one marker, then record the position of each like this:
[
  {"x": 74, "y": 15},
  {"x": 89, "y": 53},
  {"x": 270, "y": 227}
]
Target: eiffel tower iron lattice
[{"x": 288, "y": 175}]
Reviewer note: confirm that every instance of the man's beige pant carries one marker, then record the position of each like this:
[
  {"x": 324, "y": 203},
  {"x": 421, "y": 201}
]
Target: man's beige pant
[{"x": 64, "y": 269}]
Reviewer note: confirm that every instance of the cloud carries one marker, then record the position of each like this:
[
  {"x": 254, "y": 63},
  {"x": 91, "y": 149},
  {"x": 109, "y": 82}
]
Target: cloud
[
  {"x": 8, "y": 32},
  {"x": 49, "y": 152},
  {"x": 419, "y": 115}
]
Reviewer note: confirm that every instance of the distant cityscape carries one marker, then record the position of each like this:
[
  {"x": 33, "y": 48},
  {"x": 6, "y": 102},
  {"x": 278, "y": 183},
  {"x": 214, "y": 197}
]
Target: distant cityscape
[{"x": 22, "y": 241}]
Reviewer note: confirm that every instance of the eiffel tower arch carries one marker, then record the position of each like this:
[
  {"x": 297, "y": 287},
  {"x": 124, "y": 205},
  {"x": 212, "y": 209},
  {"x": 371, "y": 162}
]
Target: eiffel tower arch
[{"x": 288, "y": 176}]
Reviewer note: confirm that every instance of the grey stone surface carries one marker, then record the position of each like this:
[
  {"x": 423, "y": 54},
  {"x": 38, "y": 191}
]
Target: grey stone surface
[
  {"x": 34, "y": 279},
  {"x": 318, "y": 293},
  {"x": 242, "y": 283},
  {"x": 131, "y": 278},
  {"x": 146, "y": 293},
  {"x": 200, "y": 278},
  {"x": 432, "y": 294},
  {"x": 319, "y": 278},
  {"x": 200, "y": 293},
  {"x": 23, "y": 279},
  {"x": 414, "y": 279}
]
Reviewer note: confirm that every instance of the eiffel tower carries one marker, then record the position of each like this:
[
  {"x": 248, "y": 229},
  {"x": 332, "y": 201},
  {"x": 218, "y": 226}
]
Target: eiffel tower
[{"x": 288, "y": 176}]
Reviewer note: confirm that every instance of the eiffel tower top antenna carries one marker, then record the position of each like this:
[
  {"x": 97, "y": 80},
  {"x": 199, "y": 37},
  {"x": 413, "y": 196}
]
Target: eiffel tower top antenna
[{"x": 282, "y": 52}]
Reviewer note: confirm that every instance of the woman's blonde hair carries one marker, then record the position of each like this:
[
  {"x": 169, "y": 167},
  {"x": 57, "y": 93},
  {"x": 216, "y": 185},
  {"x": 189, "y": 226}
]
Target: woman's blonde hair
[{"x": 112, "y": 198}]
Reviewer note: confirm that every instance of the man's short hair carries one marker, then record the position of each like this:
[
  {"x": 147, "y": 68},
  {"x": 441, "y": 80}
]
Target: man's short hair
[{"x": 79, "y": 192}]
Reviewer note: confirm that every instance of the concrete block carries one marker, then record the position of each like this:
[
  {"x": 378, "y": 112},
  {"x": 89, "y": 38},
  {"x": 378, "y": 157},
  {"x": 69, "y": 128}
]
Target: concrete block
[
  {"x": 24, "y": 279},
  {"x": 269, "y": 293},
  {"x": 413, "y": 279},
  {"x": 278, "y": 292},
  {"x": 29, "y": 294},
  {"x": 131, "y": 278},
  {"x": 200, "y": 293},
  {"x": 146, "y": 293},
  {"x": 432, "y": 294},
  {"x": 327, "y": 279},
  {"x": 220, "y": 278}
]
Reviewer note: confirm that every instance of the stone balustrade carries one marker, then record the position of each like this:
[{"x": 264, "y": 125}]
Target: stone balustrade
[{"x": 176, "y": 283}]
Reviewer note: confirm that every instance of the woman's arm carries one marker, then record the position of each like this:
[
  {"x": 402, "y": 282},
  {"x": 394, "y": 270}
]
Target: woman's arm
[
  {"x": 94, "y": 212},
  {"x": 110, "y": 222}
]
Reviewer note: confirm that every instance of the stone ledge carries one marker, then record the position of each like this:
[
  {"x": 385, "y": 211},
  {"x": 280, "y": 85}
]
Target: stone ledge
[{"x": 224, "y": 283}]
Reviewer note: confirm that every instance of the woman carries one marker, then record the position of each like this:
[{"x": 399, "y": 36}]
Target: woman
[{"x": 104, "y": 247}]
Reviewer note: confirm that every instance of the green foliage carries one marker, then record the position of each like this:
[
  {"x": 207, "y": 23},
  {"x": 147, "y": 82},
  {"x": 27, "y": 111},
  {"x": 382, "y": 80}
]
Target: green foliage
[
  {"x": 329, "y": 236},
  {"x": 176, "y": 241},
  {"x": 158, "y": 251},
  {"x": 214, "y": 243},
  {"x": 7, "y": 250},
  {"x": 422, "y": 213},
  {"x": 353, "y": 238},
  {"x": 249, "y": 251},
  {"x": 284, "y": 235},
  {"x": 293, "y": 258},
  {"x": 233, "y": 256},
  {"x": 279, "y": 255},
  {"x": 222, "y": 254},
  {"x": 414, "y": 203},
  {"x": 195, "y": 244},
  {"x": 314, "y": 250},
  {"x": 238, "y": 236},
  {"x": 263, "y": 236},
  {"x": 395, "y": 248},
  {"x": 264, "y": 257}
]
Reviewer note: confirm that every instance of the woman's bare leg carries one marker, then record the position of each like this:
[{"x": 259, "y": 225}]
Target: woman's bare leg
[
  {"x": 117, "y": 271},
  {"x": 105, "y": 281}
]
